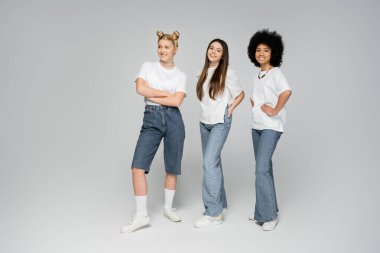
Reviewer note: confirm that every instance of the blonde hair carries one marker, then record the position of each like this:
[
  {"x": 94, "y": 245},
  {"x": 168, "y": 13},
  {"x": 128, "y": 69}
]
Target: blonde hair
[{"x": 172, "y": 37}]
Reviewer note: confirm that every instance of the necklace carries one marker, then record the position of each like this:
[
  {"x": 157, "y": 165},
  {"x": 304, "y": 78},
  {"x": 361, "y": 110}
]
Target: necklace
[{"x": 261, "y": 77}]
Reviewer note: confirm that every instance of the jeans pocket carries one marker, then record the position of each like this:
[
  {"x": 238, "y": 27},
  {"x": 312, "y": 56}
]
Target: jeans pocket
[
  {"x": 227, "y": 120},
  {"x": 149, "y": 118}
]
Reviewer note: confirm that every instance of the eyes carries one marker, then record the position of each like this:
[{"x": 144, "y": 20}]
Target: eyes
[
  {"x": 265, "y": 50},
  {"x": 219, "y": 50},
  {"x": 164, "y": 47}
]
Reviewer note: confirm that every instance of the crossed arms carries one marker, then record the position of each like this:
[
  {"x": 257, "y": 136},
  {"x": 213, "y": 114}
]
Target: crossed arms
[{"x": 158, "y": 96}]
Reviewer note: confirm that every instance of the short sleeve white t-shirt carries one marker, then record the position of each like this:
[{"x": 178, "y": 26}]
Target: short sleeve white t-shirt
[
  {"x": 266, "y": 91},
  {"x": 160, "y": 78},
  {"x": 212, "y": 111}
]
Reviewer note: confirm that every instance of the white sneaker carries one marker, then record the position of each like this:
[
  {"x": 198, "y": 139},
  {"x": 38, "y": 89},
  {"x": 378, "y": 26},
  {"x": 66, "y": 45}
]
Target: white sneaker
[
  {"x": 224, "y": 213},
  {"x": 207, "y": 221},
  {"x": 135, "y": 224},
  {"x": 270, "y": 225},
  {"x": 252, "y": 217},
  {"x": 171, "y": 214}
]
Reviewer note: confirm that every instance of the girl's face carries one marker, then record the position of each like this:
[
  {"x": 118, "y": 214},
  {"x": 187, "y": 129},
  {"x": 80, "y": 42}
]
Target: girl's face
[
  {"x": 166, "y": 50},
  {"x": 263, "y": 53},
  {"x": 215, "y": 53}
]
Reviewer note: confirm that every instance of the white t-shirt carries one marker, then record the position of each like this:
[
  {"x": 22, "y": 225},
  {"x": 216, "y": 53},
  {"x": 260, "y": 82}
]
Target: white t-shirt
[
  {"x": 212, "y": 111},
  {"x": 266, "y": 91},
  {"x": 160, "y": 78}
]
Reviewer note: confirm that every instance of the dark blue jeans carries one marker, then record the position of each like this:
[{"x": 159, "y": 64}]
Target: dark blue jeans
[
  {"x": 264, "y": 144},
  {"x": 160, "y": 122}
]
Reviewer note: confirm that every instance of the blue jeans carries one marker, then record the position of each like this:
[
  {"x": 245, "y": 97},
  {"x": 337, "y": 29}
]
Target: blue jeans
[
  {"x": 213, "y": 193},
  {"x": 264, "y": 144},
  {"x": 160, "y": 122}
]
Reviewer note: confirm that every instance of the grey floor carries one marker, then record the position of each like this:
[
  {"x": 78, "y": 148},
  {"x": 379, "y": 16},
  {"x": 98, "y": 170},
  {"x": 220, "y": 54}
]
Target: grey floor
[{"x": 321, "y": 210}]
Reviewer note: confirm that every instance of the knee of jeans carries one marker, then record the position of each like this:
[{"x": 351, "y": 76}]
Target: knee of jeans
[
  {"x": 210, "y": 166},
  {"x": 262, "y": 174},
  {"x": 262, "y": 168}
]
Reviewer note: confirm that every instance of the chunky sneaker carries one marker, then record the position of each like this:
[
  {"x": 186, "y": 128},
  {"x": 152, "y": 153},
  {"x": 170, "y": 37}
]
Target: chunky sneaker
[
  {"x": 135, "y": 224},
  {"x": 171, "y": 214},
  {"x": 207, "y": 221},
  {"x": 270, "y": 225}
]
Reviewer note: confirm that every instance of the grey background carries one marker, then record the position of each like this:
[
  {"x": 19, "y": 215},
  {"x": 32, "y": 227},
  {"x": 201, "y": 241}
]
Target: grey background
[{"x": 70, "y": 119}]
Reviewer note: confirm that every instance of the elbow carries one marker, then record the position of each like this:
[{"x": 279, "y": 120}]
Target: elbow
[
  {"x": 139, "y": 89},
  {"x": 177, "y": 103},
  {"x": 178, "y": 99},
  {"x": 288, "y": 93}
]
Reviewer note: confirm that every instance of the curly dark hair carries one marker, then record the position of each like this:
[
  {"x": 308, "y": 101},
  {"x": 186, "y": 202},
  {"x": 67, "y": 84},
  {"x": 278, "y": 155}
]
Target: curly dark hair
[{"x": 272, "y": 40}]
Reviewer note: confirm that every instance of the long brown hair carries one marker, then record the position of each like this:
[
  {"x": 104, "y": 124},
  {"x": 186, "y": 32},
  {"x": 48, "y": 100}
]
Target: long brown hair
[{"x": 218, "y": 79}]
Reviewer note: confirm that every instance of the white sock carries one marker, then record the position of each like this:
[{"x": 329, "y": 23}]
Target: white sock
[
  {"x": 141, "y": 210},
  {"x": 169, "y": 196}
]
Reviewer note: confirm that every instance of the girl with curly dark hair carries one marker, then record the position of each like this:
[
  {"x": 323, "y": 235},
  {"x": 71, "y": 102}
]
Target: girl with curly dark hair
[{"x": 270, "y": 93}]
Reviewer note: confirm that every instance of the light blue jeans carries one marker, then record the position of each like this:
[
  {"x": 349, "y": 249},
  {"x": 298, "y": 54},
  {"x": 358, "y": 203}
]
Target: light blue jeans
[
  {"x": 213, "y": 193},
  {"x": 264, "y": 144}
]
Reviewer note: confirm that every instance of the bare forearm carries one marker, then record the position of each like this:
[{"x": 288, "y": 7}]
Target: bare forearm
[
  {"x": 282, "y": 99},
  {"x": 143, "y": 89},
  {"x": 168, "y": 101},
  {"x": 235, "y": 103},
  {"x": 149, "y": 92},
  {"x": 173, "y": 100},
  {"x": 237, "y": 100}
]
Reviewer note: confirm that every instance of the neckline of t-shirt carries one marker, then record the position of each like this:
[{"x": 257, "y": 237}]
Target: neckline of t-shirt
[
  {"x": 165, "y": 69},
  {"x": 261, "y": 71}
]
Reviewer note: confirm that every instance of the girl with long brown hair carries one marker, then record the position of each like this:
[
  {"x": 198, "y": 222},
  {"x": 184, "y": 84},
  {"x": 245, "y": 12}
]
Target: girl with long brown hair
[{"x": 219, "y": 93}]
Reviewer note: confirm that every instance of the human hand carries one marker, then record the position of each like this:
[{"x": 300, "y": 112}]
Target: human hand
[
  {"x": 268, "y": 110},
  {"x": 229, "y": 111}
]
